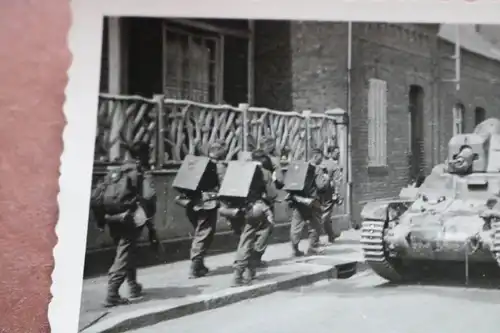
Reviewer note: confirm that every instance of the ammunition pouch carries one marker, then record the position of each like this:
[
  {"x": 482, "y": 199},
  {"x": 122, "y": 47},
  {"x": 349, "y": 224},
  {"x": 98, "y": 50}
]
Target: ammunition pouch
[
  {"x": 229, "y": 212},
  {"x": 305, "y": 201},
  {"x": 338, "y": 200},
  {"x": 184, "y": 202}
]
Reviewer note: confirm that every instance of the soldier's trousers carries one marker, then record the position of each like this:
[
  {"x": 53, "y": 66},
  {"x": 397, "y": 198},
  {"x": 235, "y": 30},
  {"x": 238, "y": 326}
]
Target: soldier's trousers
[
  {"x": 125, "y": 236},
  {"x": 327, "y": 210},
  {"x": 264, "y": 232},
  {"x": 204, "y": 223},
  {"x": 305, "y": 216},
  {"x": 254, "y": 222}
]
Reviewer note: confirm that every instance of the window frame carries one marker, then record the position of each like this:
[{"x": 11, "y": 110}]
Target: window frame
[
  {"x": 377, "y": 108},
  {"x": 458, "y": 118},
  {"x": 216, "y": 82}
]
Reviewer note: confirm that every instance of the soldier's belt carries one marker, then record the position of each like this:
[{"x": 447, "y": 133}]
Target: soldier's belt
[
  {"x": 229, "y": 212},
  {"x": 310, "y": 202},
  {"x": 186, "y": 201},
  {"x": 183, "y": 201}
]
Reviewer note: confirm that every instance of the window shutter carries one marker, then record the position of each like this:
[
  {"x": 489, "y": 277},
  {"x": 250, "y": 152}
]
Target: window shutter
[{"x": 377, "y": 123}]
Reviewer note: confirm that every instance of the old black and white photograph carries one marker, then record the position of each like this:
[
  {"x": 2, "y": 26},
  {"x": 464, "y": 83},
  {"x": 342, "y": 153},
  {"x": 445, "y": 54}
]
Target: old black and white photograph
[{"x": 242, "y": 163}]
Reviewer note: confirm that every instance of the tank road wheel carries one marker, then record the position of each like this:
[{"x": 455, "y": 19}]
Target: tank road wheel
[
  {"x": 373, "y": 245},
  {"x": 495, "y": 225}
]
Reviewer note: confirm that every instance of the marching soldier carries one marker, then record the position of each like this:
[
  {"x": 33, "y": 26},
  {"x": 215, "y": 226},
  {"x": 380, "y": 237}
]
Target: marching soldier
[
  {"x": 331, "y": 164},
  {"x": 257, "y": 214},
  {"x": 126, "y": 202},
  {"x": 203, "y": 215},
  {"x": 271, "y": 163},
  {"x": 313, "y": 213}
]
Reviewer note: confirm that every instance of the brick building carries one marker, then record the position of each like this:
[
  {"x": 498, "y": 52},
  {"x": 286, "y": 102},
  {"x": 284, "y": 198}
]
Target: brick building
[{"x": 389, "y": 77}]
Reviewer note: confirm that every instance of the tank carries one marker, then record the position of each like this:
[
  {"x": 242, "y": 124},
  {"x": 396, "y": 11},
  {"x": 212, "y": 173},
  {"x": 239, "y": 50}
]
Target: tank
[{"x": 449, "y": 218}]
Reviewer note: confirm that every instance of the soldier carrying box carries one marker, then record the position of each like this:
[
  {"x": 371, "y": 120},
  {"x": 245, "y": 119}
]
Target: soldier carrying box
[
  {"x": 198, "y": 181},
  {"x": 305, "y": 183},
  {"x": 243, "y": 195}
]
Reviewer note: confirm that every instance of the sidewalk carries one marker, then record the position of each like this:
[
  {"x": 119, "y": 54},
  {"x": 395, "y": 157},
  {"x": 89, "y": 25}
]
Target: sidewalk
[{"x": 170, "y": 294}]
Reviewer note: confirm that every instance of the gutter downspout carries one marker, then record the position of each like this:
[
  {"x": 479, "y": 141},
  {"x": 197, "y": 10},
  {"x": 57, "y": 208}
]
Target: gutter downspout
[{"x": 349, "y": 124}]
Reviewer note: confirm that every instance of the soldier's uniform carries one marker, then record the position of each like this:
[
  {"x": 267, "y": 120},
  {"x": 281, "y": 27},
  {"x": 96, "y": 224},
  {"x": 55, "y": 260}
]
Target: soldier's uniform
[
  {"x": 328, "y": 198},
  {"x": 265, "y": 230},
  {"x": 310, "y": 214},
  {"x": 203, "y": 215},
  {"x": 258, "y": 214},
  {"x": 125, "y": 230}
]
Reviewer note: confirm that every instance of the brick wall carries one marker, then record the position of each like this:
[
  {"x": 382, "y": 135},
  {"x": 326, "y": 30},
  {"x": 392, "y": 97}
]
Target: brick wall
[
  {"x": 402, "y": 57},
  {"x": 302, "y": 65}
]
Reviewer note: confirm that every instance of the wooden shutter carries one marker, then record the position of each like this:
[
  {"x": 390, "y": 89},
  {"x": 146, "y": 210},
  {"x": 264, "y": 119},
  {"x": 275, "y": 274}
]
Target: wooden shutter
[{"x": 377, "y": 123}]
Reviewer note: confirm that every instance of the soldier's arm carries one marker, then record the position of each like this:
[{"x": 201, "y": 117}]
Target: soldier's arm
[
  {"x": 149, "y": 195},
  {"x": 280, "y": 177},
  {"x": 133, "y": 175},
  {"x": 149, "y": 190},
  {"x": 99, "y": 217},
  {"x": 322, "y": 180},
  {"x": 336, "y": 179},
  {"x": 268, "y": 213}
]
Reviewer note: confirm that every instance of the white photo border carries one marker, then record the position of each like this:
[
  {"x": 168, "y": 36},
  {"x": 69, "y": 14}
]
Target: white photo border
[{"x": 82, "y": 91}]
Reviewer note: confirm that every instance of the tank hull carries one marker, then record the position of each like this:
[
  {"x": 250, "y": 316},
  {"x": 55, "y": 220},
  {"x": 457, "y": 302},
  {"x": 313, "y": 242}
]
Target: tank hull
[
  {"x": 452, "y": 216},
  {"x": 395, "y": 244},
  {"x": 434, "y": 237}
]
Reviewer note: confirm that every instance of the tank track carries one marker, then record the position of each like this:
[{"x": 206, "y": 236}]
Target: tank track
[
  {"x": 495, "y": 225},
  {"x": 372, "y": 244}
]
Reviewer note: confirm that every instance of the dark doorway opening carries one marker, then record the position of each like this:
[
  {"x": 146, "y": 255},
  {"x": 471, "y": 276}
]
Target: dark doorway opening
[
  {"x": 416, "y": 132},
  {"x": 479, "y": 115}
]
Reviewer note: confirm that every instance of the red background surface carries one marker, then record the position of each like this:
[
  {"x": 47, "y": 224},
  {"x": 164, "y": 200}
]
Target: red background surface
[{"x": 34, "y": 58}]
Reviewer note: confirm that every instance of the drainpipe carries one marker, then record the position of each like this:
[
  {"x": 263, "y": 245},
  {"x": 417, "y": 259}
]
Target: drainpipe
[
  {"x": 349, "y": 122},
  {"x": 457, "y": 58}
]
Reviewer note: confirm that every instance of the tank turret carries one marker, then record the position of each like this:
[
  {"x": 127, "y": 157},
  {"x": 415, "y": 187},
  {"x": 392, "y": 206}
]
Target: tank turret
[
  {"x": 454, "y": 216},
  {"x": 478, "y": 151}
]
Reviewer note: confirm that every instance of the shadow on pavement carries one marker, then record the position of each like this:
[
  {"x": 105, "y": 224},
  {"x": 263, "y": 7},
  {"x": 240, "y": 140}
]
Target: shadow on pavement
[{"x": 170, "y": 292}]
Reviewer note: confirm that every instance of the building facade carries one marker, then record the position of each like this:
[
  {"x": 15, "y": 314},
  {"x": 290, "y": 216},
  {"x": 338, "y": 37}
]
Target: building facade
[{"x": 393, "y": 79}]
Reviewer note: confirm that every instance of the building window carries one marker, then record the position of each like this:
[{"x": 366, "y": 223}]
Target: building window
[
  {"x": 192, "y": 65},
  {"x": 458, "y": 118},
  {"x": 479, "y": 115},
  {"x": 377, "y": 123}
]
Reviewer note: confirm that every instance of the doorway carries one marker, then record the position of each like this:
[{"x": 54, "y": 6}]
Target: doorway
[
  {"x": 416, "y": 132},
  {"x": 479, "y": 115}
]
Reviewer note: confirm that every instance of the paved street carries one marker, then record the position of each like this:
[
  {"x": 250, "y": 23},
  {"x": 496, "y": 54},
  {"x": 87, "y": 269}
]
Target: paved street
[
  {"x": 168, "y": 289},
  {"x": 364, "y": 303}
]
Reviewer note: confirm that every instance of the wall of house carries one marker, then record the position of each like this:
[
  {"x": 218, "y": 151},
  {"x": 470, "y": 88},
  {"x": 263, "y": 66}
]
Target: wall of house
[
  {"x": 405, "y": 55},
  {"x": 401, "y": 55},
  {"x": 480, "y": 87},
  {"x": 295, "y": 69}
]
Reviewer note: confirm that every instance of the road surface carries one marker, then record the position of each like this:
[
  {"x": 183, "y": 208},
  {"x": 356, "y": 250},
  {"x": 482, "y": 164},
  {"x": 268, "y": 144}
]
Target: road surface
[{"x": 364, "y": 303}]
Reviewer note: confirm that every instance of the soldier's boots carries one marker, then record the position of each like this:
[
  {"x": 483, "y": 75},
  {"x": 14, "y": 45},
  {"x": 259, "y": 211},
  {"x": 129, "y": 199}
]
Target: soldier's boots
[
  {"x": 113, "y": 298},
  {"x": 296, "y": 252},
  {"x": 331, "y": 239},
  {"x": 135, "y": 290},
  {"x": 112, "y": 301},
  {"x": 240, "y": 279},
  {"x": 312, "y": 251},
  {"x": 257, "y": 260},
  {"x": 198, "y": 269},
  {"x": 250, "y": 274}
]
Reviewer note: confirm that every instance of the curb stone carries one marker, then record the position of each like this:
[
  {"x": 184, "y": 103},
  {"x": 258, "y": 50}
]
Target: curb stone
[{"x": 154, "y": 315}]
